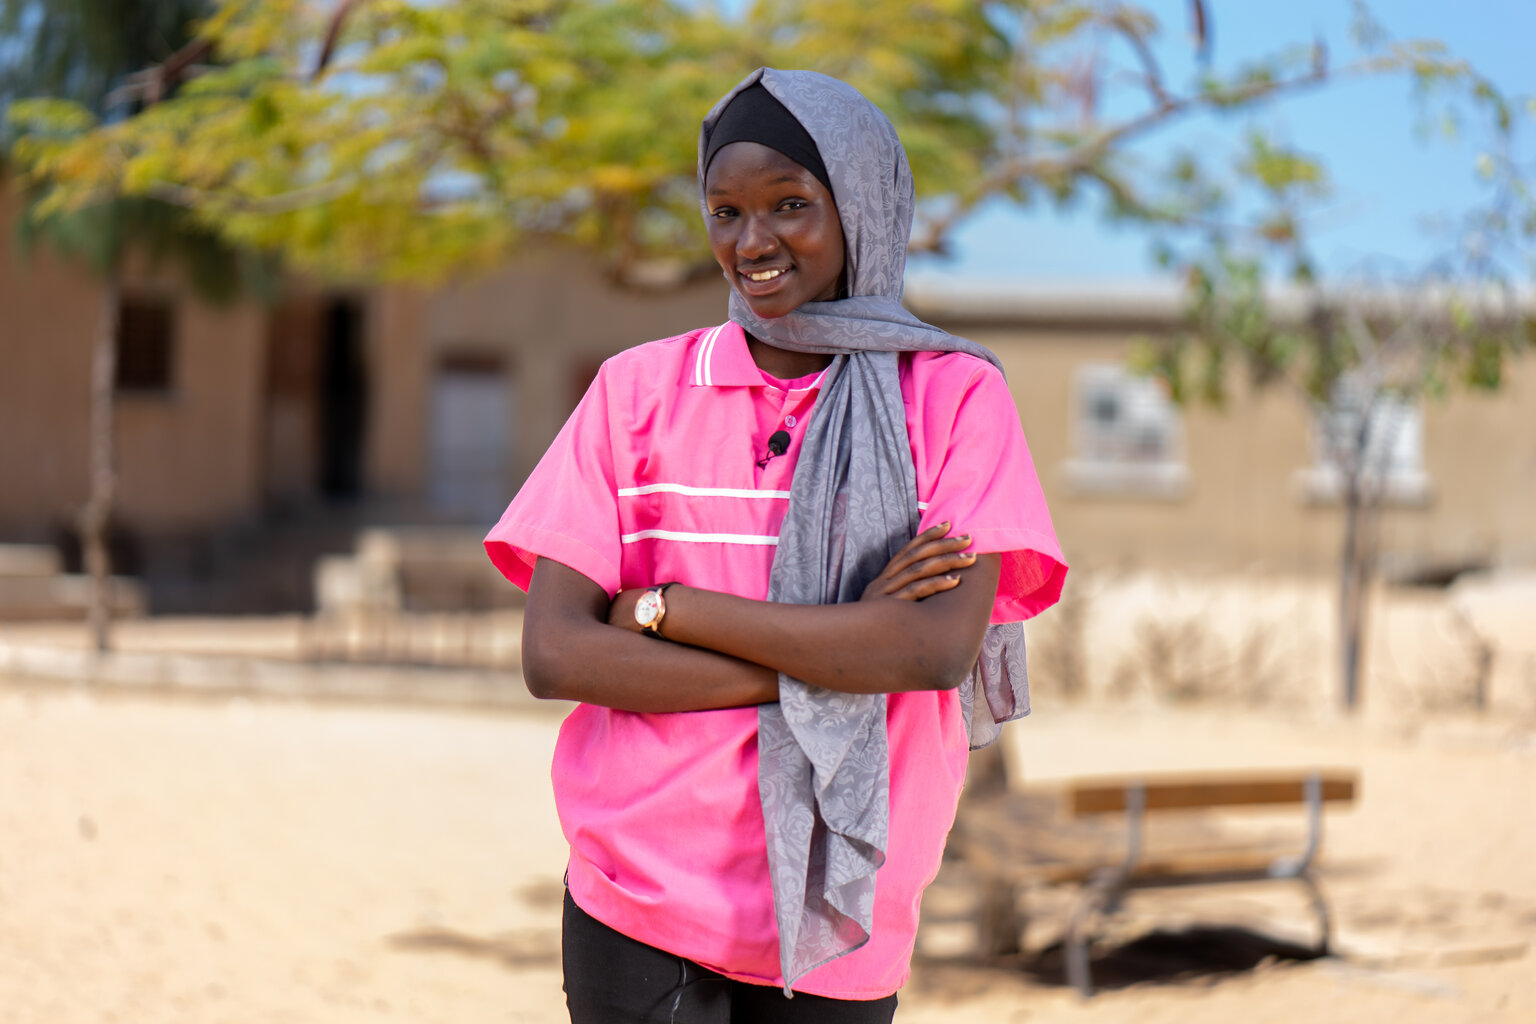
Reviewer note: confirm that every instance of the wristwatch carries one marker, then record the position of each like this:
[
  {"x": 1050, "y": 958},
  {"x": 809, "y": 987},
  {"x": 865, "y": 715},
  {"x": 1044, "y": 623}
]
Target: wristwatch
[{"x": 651, "y": 609}]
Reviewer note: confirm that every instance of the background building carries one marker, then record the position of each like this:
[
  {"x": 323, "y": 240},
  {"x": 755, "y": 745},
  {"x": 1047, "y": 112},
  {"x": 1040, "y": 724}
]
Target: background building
[{"x": 254, "y": 438}]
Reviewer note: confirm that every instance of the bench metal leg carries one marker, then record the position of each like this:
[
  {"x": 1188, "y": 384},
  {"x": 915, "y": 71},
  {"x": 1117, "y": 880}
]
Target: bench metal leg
[
  {"x": 1320, "y": 908},
  {"x": 1075, "y": 949},
  {"x": 1104, "y": 892},
  {"x": 1096, "y": 896}
]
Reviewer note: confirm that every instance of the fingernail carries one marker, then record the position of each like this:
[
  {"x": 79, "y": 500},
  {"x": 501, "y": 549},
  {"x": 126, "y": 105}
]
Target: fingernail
[
  {"x": 964, "y": 536},
  {"x": 952, "y": 576}
]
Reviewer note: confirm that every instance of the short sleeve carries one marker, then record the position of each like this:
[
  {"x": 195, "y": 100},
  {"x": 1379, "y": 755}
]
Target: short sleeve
[
  {"x": 568, "y": 508},
  {"x": 975, "y": 471}
]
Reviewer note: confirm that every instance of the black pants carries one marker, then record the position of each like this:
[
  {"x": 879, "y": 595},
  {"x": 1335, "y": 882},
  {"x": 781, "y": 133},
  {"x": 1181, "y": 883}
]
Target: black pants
[{"x": 612, "y": 979}]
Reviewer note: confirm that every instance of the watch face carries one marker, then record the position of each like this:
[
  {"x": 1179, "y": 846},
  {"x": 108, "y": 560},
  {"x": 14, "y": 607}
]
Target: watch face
[{"x": 648, "y": 608}]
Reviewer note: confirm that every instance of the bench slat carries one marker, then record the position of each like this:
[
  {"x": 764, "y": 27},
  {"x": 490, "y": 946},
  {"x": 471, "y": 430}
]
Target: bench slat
[{"x": 1102, "y": 796}]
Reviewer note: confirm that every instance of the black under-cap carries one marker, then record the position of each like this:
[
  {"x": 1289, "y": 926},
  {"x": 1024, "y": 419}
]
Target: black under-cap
[{"x": 753, "y": 115}]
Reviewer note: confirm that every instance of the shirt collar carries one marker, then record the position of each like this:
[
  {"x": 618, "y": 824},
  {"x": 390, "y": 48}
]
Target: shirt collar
[{"x": 721, "y": 359}]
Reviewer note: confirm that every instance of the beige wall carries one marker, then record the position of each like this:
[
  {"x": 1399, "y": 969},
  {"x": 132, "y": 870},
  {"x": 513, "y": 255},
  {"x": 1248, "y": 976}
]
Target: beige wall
[
  {"x": 202, "y": 458},
  {"x": 397, "y": 366},
  {"x": 48, "y": 314},
  {"x": 550, "y": 316},
  {"x": 1244, "y": 507},
  {"x": 1481, "y": 454},
  {"x": 220, "y": 447},
  {"x": 187, "y": 459}
]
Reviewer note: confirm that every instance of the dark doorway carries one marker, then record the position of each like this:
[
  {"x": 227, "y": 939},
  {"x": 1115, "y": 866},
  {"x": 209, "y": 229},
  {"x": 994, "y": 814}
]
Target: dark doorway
[{"x": 343, "y": 400}]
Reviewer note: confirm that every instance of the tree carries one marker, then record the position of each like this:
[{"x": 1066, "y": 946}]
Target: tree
[
  {"x": 392, "y": 140},
  {"x": 1357, "y": 357},
  {"x": 389, "y": 140},
  {"x": 106, "y": 59},
  {"x": 1359, "y": 351}
]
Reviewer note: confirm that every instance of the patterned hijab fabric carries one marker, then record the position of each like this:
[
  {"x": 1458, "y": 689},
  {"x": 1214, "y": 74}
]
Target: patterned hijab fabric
[{"x": 824, "y": 771}]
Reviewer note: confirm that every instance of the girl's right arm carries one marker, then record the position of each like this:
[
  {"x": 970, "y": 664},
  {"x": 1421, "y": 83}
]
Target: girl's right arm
[{"x": 571, "y": 653}]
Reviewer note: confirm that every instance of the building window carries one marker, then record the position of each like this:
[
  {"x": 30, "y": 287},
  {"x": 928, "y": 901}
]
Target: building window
[
  {"x": 1128, "y": 436},
  {"x": 145, "y": 346},
  {"x": 1390, "y": 450}
]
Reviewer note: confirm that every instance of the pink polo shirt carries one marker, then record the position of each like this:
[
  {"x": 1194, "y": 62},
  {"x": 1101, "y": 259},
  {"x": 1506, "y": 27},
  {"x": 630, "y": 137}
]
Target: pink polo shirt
[{"x": 655, "y": 477}]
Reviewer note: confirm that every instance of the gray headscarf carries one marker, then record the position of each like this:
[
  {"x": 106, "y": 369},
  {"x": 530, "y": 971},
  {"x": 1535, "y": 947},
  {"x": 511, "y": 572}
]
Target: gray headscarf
[{"x": 824, "y": 771}]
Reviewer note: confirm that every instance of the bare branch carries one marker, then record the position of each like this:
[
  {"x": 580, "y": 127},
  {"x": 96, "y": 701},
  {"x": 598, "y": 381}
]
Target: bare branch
[
  {"x": 332, "y": 35},
  {"x": 156, "y": 82},
  {"x": 1088, "y": 152},
  {"x": 1200, "y": 27},
  {"x": 1152, "y": 73}
]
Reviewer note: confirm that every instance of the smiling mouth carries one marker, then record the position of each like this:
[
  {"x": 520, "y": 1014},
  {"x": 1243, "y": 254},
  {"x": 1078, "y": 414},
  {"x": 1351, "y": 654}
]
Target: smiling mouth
[{"x": 764, "y": 275}]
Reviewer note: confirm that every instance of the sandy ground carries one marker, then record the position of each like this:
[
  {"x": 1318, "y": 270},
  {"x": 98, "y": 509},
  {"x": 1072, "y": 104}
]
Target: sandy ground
[{"x": 247, "y": 861}]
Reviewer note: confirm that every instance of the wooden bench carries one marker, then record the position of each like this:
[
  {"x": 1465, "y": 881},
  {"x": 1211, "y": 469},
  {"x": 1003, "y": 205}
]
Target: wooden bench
[{"x": 1092, "y": 834}]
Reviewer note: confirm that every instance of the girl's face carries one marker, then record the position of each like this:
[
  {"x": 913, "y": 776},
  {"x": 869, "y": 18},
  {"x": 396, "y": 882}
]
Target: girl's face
[{"x": 773, "y": 228}]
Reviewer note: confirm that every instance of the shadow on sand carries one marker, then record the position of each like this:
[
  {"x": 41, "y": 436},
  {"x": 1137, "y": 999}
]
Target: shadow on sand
[
  {"x": 1182, "y": 956},
  {"x": 515, "y": 950},
  {"x": 1194, "y": 955}
]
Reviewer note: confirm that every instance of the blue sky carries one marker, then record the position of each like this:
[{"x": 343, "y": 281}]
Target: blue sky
[{"x": 1392, "y": 180}]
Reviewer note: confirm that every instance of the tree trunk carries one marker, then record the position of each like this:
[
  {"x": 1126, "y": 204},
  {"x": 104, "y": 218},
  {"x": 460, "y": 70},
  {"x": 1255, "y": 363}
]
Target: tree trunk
[
  {"x": 97, "y": 516},
  {"x": 1357, "y": 567},
  {"x": 1349, "y": 596}
]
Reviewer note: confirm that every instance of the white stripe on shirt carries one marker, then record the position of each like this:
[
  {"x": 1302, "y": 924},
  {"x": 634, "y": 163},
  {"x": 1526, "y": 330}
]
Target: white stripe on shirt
[
  {"x": 699, "y": 538},
  {"x": 714, "y": 492},
  {"x": 700, "y": 492},
  {"x": 702, "y": 373},
  {"x": 813, "y": 385}
]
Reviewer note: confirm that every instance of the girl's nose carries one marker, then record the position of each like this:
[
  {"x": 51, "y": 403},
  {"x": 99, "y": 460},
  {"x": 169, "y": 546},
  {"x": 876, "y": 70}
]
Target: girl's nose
[{"x": 756, "y": 239}]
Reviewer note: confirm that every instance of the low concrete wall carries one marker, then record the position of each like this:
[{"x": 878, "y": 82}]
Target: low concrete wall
[
  {"x": 35, "y": 598},
  {"x": 197, "y": 675}
]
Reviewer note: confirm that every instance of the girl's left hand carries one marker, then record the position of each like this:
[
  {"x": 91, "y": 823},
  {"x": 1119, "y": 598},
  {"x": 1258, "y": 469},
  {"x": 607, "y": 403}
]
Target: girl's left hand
[{"x": 928, "y": 564}]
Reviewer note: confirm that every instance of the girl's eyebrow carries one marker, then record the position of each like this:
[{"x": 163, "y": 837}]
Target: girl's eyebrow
[{"x": 783, "y": 179}]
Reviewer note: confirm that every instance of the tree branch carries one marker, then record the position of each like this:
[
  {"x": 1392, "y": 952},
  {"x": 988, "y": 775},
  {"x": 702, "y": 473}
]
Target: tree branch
[
  {"x": 1083, "y": 155},
  {"x": 333, "y": 35},
  {"x": 1152, "y": 73},
  {"x": 156, "y": 82}
]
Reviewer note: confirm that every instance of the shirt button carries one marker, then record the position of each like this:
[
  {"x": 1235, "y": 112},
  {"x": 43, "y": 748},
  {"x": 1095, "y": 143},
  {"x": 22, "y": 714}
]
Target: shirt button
[{"x": 789, "y": 420}]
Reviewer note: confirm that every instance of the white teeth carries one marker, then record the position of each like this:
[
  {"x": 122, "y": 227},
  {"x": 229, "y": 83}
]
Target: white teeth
[{"x": 764, "y": 275}]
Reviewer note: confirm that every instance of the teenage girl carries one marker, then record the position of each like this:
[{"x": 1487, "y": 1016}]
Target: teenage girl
[{"x": 774, "y": 562}]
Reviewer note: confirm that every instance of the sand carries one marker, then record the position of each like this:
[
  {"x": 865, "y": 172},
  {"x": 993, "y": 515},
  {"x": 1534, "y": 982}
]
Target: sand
[{"x": 172, "y": 860}]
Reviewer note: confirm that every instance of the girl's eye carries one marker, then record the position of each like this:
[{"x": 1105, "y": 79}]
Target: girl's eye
[
  {"x": 794, "y": 204},
  {"x": 722, "y": 212}
]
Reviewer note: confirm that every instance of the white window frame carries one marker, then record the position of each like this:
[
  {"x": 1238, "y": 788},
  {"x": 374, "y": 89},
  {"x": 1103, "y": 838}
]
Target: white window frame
[
  {"x": 1131, "y": 447},
  {"x": 1394, "y": 459}
]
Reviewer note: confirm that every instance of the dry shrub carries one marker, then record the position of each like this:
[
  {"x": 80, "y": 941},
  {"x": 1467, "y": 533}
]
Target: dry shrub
[
  {"x": 1184, "y": 660},
  {"x": 1058, "y": 660}
]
